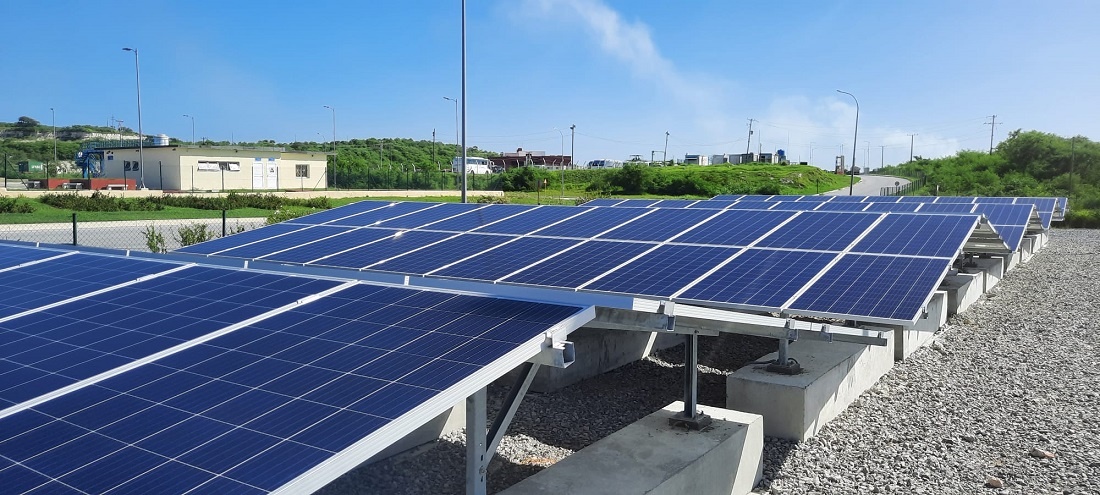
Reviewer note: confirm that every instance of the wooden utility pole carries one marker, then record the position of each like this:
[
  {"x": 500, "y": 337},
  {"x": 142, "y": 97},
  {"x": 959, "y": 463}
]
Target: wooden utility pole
[
  {"x": 992, "y": 125},
  {"x": 748, "y": 144}
]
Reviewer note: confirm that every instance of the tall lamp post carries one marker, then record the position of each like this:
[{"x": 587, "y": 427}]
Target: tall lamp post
[
  {"x": 141, "y": 137},
  {"x": 562, "y": 198},
  {"x": 53, "y": 124},
  {"x": 192, "y": 128},
  {"x": 456, "y": 116},
  {"x": 855, "y": 133},
  {"x": 664, "y": 155},
  {"x": 334, "y": 153}
]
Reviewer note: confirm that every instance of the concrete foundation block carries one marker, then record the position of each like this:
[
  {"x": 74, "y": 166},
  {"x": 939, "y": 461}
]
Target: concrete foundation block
[
  {"x": 1027, "y": 248},
  {"x": 798, "y": 406},
  {"x": 598, "y": 351},
  {"x": 992, "y": 270},
  {"x": 962, "y": 290},
  {"x": 908, "y": 339},
  {"x": 1011, "y": 260},
  {"x": 452, "y": 420},
  {"x": 650, "y": 457}
]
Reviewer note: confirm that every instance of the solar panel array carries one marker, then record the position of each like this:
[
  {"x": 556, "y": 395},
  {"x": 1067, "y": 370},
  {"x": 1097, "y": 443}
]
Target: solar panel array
[
  {"x": 1010, "y": 217},
  {"x": 139, "y": 376},
  {"x": 686, "y": 254}
]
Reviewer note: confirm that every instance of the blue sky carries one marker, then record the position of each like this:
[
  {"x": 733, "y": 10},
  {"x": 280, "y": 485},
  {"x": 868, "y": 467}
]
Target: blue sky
[{"x": 623, "y": 71}]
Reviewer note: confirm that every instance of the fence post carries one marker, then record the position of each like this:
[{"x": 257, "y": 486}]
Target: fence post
[
  {"x": 74, "y": 228},
  {"x": 223, "y": 222}
]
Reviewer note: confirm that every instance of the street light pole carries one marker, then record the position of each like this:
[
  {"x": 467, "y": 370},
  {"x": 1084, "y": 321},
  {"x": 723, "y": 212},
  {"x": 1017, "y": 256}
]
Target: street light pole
[
  {"x": 463, "y": 101},
  {"x": 664, "y": 155},
  {"x": 53, "y": 123},
  {"x": 334, "y": 152},
  {"x": 572, "y": 145},
  {"x": 192, "y": 128},
  {"x": 141, "y": 137},
  {"x": 855, "y": 134},
  {"x": 562, "y": 199},
  {"x": 455, "y": 100}
]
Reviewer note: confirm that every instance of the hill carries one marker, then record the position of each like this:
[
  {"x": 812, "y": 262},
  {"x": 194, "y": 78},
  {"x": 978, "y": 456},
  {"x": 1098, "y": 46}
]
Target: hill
[{"x": 1030, "y": 163}]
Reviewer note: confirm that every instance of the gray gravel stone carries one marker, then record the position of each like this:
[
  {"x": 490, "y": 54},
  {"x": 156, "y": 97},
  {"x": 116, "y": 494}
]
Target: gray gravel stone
[{"x": 1019, "y": 370}]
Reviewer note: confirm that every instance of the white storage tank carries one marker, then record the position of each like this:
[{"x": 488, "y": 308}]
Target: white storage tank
[{"x": 160, "y": 140}]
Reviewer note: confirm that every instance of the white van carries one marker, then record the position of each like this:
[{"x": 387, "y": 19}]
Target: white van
[
  {"x": 474, "y": 165},
  {"x": 604, "y": 163}
]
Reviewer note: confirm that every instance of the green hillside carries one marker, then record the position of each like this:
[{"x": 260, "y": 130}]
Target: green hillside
[{"x": 1028, "y": 163}]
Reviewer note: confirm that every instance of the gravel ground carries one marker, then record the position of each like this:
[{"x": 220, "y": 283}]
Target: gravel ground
[{"x": 1006, "y": 401}]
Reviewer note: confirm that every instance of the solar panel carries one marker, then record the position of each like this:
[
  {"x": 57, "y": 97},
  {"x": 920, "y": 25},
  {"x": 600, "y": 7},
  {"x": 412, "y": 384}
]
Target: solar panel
[
  {"x": 917, "y": 199},
  {"x": 14, "y": 255},
  {"x": 1006, "y": 214},
  {"x": 603, "y": 202},
  {"x": 507, "y": 258},
  {"x": 258, "y": 408},
  {"x": 389, "y": 247},
  {"x": 663, "y": 271},
  {"x": 676, "y": 203},
  {"x": 56, "y": 280},
  {"x": 736, "y": 227},
  {"x": 638, "y": 203},
  {"x": 377, "y": 215},
  {"x": 341, "y": 212},
  {"x": 1012, "y": 235},
  {"x": 478, "y": 218},
  {"x": 794, "y": 205},
  {"x": 316, "y": 250},
  {"x": 284, "y": 242},
  {"x": 995, "y": 200},
  {"x": 918, "y": 235},
  {"x": 580, "y": 264},
  {"x": 713, "y": 204},
  {"x": 429, "y": 215},
  {"x": 829, "y": 231},
  {"x": 868, "y": 285},
  {"x": 593, "y": 222},
  {"x": 946, "y": 208},
  {"x": 759, "y": 277},
  {"x": 751, "y": 205},
  {"x": 62, "y": 345},
  {"x": 842, "y": 206},
  {"x": 954, "y": 199},
  {"x": 894, "y": 207},
  {"x": 850, "y": 199},
  {"x": 660, "y": 225},
  {"x": 535, "y": 219},
  {"x": 240, "y": 239},
  {"x": 728, "y": 197},
  {"x": 443, "y": 253}
]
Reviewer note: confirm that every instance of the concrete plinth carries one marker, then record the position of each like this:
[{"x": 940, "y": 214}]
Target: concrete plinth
[
  {"x": 598, "y": 351},
  {"x": 962, "y": 290},
  {"x": 452, "y": 420},
  {"x": 650, "y": 457},
  {"x": 1027, "y": 248},
  {"x": 992, "y": 270},
  {"x": 797, "y": 407},
  {"x": 908, "y": 339}
]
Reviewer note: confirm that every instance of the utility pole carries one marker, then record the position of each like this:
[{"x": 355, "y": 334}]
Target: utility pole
[
  {"x": 911, "y": 147},
  {"x": 882, "y": 156},
  {"x": 572, "y": 146},
  {"x": 992, "y": 125},
  {"x": 664, "y": 156},
  {"x": 1072, "y": 158},
  {"x": 748, "y": 144},
  {"x": 436, "y": 162}
]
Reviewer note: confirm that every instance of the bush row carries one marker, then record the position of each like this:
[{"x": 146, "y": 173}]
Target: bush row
[{"x": 103, "y": 202}]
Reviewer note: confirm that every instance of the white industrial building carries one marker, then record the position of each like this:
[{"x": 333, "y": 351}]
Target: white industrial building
[{"x": 216, "y": 168}]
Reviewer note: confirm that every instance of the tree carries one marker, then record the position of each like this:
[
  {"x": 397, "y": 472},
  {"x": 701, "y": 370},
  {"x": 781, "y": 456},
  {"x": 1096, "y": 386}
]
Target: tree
[{"x": 25, "y": 121}]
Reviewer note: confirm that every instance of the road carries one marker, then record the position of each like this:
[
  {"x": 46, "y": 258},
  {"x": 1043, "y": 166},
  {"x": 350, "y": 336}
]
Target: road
[{"x": 870, "y": 185}]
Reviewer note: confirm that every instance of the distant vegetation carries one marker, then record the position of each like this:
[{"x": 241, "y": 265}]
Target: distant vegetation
[{"x": 1028, "y": 163}]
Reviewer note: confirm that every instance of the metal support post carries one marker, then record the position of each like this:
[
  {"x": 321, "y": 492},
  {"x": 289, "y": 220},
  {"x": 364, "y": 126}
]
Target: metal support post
[
  {"x": 509, "y": 408},
  {"x": 223, "y": 223},
  {"x": 74, "y": 228},
  {"x": 783, "y": 363},
  {"x": 476, "y": 465},
  {"x": 691, "y": 418}
]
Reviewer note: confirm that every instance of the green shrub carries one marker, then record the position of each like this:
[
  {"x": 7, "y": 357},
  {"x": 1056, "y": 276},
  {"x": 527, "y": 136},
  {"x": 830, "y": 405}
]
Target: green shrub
[
  {"x": 193, "y": 234},
  {"x": 154, "y": 240},
  {"x": 98, "y": 201},
  {"x": 12, "y": 205}
]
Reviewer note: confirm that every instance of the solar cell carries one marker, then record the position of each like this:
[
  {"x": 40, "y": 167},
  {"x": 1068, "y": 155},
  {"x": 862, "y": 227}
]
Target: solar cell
[
  {"x": 946, "y": 208},
  {"x": 660, "y": 225},
  {"x": 868, "y": 285},
  {"x": 675, "y": 203},
  {"x": 829, "y": 231},
  {"x": 893, "y": 207},
  {"x": 917, "y": 199},
  {"x": 283, "y": 242},
  {"x": 638, "y": 203},
  {"x": 918, "y": 235},
  {"x": 240, "y": 239},
  {"x": 751, "y": 205},
  {"x": 220, "y": 418},
  {"x": 735, "y": 227},
  {"x": 400, "y": 243},
  {"x": 579, "y": 265},
  {"x": 954, "y": 199},
  {"x": 845, "y": 199},
  {"x": 713, "y": 204},
  {"x": 316, "y": 250},
  {"x": 507, "y": 258},
  {"x": 1013, "y": 235},
  {"x": 1005, "y": 214},
  {"x": 794, "y": 205},
  {"x": 728, "y": 197},
  {"x": 664, "y": 271},
  {"x": 759, "y": 277}
]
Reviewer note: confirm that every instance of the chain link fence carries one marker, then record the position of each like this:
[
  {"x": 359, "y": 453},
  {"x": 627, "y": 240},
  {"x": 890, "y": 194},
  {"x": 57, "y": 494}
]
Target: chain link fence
[{"x": 135, "y": 235}]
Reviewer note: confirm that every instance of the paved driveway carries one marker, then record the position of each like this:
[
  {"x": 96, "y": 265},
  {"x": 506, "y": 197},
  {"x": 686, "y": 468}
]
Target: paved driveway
[{"x": 870, "y": 185}]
